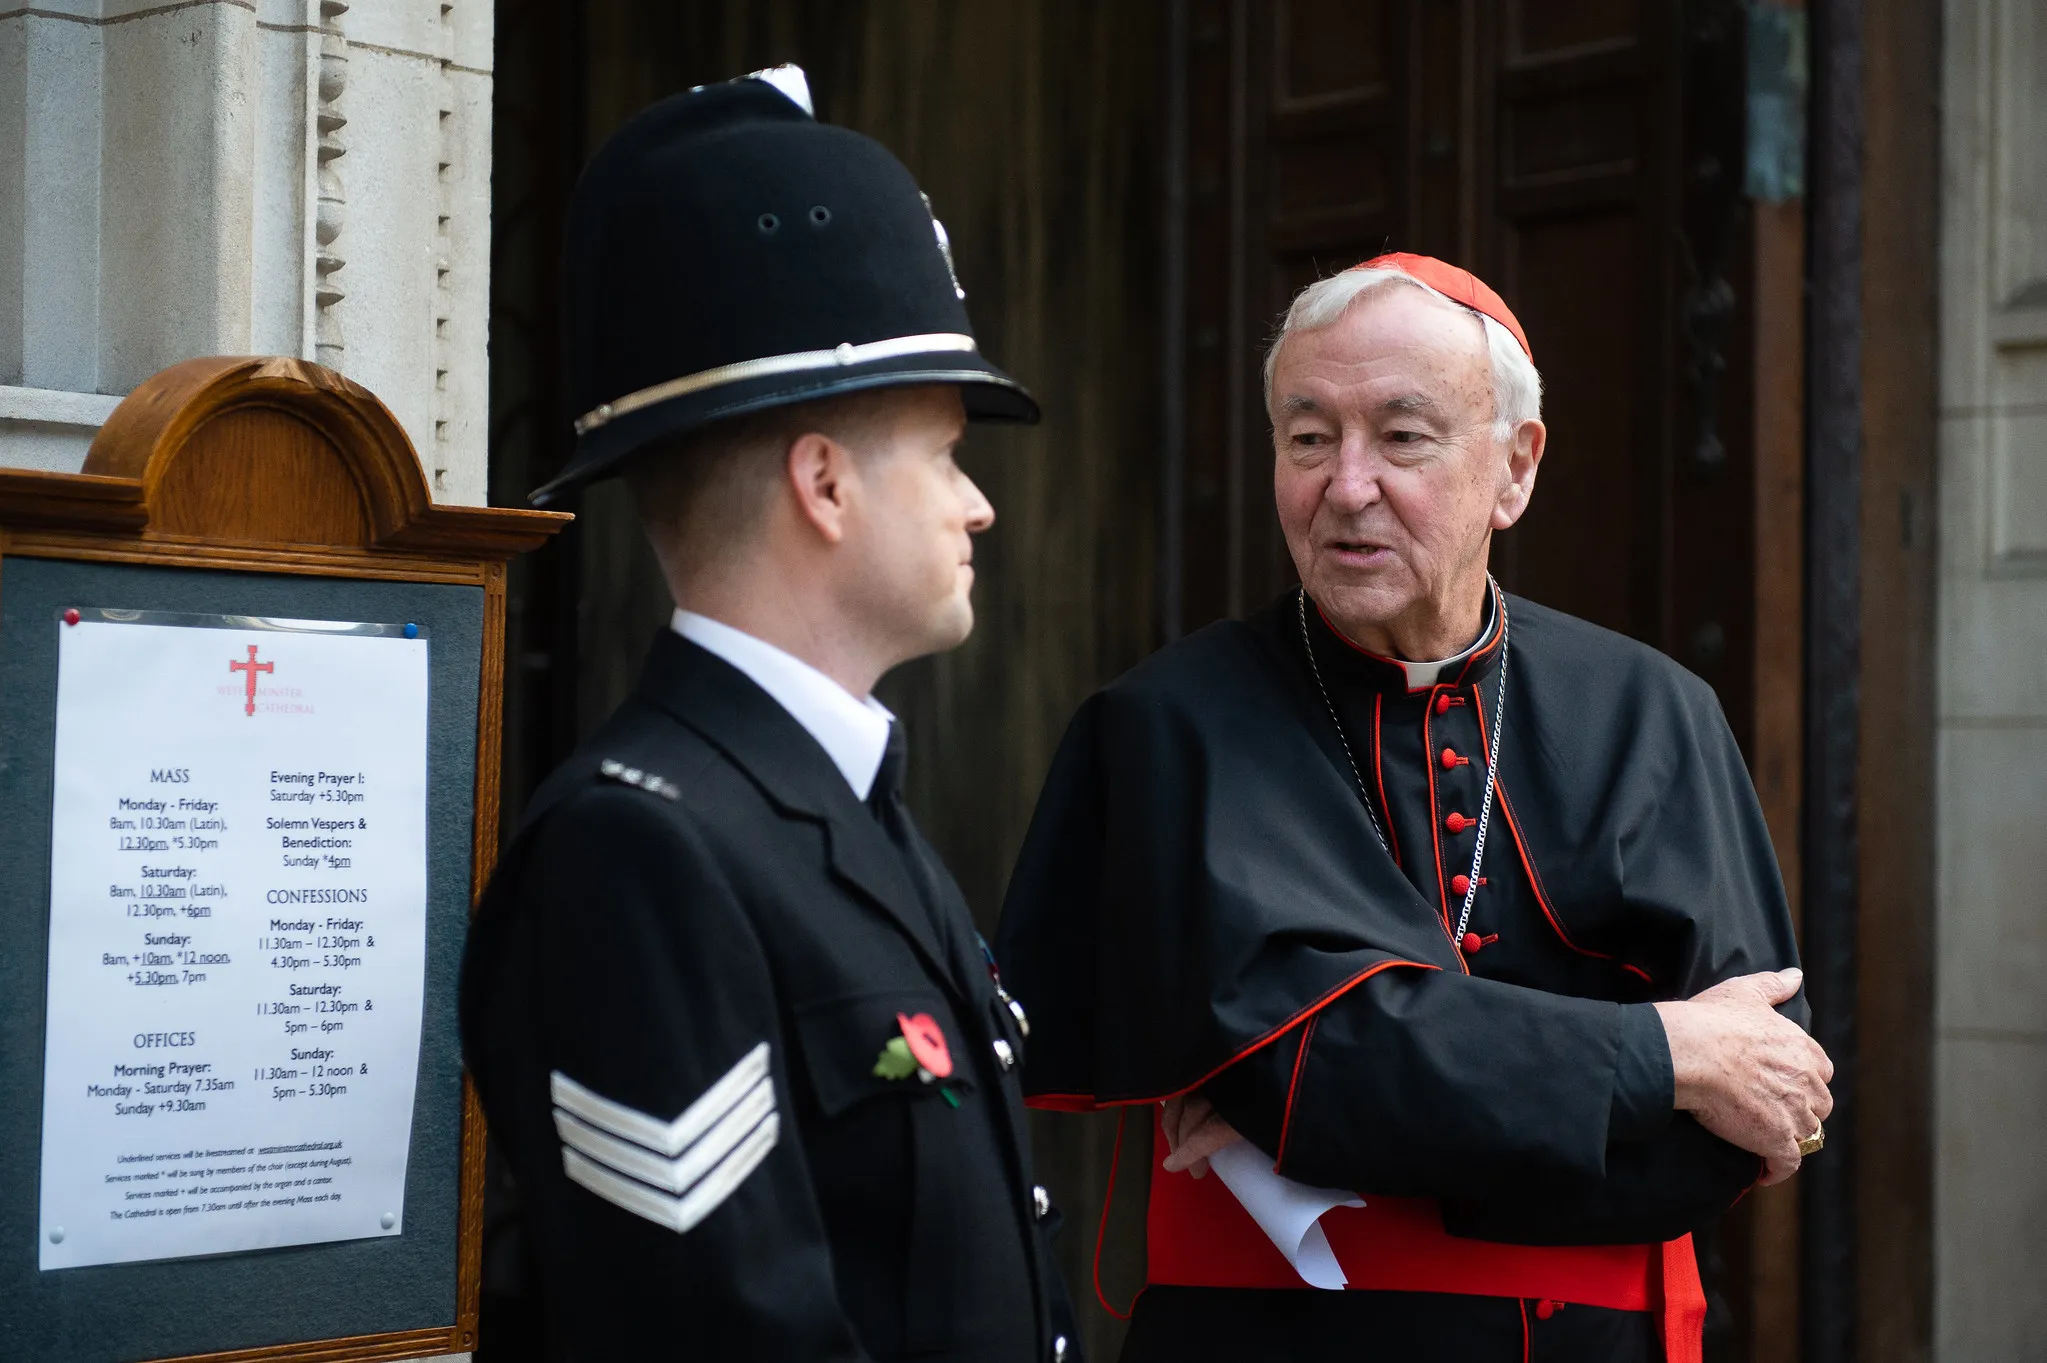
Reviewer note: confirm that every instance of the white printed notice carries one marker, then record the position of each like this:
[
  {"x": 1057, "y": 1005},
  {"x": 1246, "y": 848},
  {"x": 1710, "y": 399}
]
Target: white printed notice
[{"x": 237, "y": 934}]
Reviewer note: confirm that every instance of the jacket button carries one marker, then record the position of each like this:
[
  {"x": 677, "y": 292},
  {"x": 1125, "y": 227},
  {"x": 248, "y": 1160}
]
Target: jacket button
[
  {"x": 1041, "y": 1202},
  {"x": 1449, "y": 758},
  {"x": 1455, "y": 823},
  {"x": 1059, "y": 1350},
  {"x": 1004, "y": 1054},
  {"x": 1545, "y": 1308},
  {"x": 1472, "y": 942},
  {"x": 1459, "y": 884},
  {"x": 1443, "y": 703}
]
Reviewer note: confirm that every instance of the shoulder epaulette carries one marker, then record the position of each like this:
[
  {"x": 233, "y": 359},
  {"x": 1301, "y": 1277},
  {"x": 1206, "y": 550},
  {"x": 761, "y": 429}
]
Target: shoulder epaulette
[{"x": 618, "y": 771}]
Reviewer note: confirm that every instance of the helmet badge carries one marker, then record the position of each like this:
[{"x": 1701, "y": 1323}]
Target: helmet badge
[{"x": 944, "y": 245}]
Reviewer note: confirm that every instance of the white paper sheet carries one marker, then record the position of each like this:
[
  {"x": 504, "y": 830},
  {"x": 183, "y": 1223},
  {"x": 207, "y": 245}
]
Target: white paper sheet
[
  {"x": 1289, "y": 1213},
  {"x": 237, "y": 937}
]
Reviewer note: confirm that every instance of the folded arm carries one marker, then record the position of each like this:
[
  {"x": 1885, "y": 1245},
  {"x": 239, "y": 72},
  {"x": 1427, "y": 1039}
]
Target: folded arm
[{"x": 1533, "y": 1117}]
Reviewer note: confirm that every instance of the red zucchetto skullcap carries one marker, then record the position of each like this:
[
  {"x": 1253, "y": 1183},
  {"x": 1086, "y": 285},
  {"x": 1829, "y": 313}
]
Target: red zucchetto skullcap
[{"x": 1458, "y": 285}]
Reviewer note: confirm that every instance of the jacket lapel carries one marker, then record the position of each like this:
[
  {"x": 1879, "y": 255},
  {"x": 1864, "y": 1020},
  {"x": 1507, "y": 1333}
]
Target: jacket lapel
[{"x": 709, "y": 695}]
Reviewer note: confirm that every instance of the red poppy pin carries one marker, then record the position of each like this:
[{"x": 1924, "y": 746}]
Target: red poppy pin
[{"x": 920, "y": 1050}]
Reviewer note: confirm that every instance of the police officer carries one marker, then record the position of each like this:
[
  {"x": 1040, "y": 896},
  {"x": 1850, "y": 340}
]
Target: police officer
[{"x": 747, "y": 1060}]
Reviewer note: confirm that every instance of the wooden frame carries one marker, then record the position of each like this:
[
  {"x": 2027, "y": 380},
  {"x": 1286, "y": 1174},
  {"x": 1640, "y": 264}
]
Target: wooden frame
[
  {"x": 1777, "y": 351},
  {"x": 281, "y": 466},
  {"x": 1893, "y": 1290}
]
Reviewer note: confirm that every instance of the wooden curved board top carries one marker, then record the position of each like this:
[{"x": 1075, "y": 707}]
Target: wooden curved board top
[{"x": 264, "y": 450}]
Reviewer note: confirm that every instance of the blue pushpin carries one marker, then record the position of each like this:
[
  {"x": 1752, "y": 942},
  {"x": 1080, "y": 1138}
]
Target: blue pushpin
[{"x": 412, "y": 631}]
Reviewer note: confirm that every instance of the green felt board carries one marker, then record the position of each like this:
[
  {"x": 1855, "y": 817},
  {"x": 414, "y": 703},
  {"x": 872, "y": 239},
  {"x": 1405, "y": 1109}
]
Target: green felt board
[{"x": 120, "y": 1312}]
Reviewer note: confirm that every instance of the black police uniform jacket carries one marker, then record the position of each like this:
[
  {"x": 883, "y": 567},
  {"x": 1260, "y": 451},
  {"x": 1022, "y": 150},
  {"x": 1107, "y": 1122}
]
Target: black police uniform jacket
[
  {"x": 1202, "y": 904},
  {"x": 676, "y": 1003}
]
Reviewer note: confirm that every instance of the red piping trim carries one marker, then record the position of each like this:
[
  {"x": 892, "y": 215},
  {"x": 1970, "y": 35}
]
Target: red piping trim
[
  {"x": 1484, "y": 650},
  {"x": 1535, "y": 877},
  {"x": 1282, "y": 1029},
  {"x": 1063, "y": 1102},
  {"x": 1535, "y": 881},
  {"x": 1525, "y": 1345},
  {"x": 1344, "y": 639},
  {"x": 1293, "y": 1087},
  {"x": 1436, "y": 830},
  {"x": 1071, "y": 1102},
  {"x": 1102, "y": 1230},
  {"x": 1761, "y": 1169},
  {"x": 1499, "y": 615},
  {"x": 1379, "y": 774}
]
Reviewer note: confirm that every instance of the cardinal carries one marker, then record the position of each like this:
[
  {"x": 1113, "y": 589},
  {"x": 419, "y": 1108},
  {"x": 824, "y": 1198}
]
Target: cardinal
[{"x": 1433, "y": 938}]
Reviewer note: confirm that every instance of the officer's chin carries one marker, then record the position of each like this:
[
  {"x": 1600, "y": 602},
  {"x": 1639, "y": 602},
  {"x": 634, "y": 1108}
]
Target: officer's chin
[{"x": 952, "y": 622}]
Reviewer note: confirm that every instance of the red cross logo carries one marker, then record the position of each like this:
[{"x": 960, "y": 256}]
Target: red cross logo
[{"x": 251, "y": 667}]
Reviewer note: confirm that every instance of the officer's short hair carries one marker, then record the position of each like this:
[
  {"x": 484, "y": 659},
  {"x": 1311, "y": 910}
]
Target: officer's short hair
[{"x": 699, "y": 493}]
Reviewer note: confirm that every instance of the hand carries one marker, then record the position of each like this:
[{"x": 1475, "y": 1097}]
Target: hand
[
  {"x": 1750, "y": 1075},
  {"x": 1194, "y": 1131}
]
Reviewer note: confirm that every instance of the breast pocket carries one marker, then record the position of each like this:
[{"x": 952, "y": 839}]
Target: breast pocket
[
  {"x": 876, "y": 1045},
  {"x": 888, "y": 1159}
]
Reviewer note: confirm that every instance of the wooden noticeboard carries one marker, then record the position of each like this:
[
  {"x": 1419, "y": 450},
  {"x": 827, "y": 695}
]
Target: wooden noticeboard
[{"x": 273, "y": 489}]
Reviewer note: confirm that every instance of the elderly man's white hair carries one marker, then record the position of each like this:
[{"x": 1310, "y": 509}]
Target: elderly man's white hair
[{"x": 1517, "y": 387}]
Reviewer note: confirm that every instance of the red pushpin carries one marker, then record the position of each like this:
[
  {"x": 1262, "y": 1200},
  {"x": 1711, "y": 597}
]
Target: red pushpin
[{"x": 71, "y": 616}]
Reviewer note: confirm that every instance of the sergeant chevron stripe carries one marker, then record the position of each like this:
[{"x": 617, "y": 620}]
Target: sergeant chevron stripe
[{"x": 671, "y": 1173}]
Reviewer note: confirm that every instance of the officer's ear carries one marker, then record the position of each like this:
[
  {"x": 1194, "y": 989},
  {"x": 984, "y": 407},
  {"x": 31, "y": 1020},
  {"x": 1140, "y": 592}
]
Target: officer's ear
[{"x": 823, "y": 476}]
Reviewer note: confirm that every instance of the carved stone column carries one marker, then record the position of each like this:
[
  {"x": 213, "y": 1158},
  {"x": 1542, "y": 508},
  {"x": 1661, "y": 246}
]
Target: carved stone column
[{"x": 299, "y": 177}]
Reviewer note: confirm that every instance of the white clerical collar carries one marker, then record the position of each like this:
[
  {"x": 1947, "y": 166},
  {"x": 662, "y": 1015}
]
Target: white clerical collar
[
  {"x": 852, "y": 731},
  {"x": 1421, "y": 676}
]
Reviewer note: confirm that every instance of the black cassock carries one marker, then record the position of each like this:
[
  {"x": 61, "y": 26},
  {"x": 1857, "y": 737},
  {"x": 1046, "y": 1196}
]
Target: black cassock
[
  {"x": 1203, "y": 904},
  {"x": 677, "y": 1003}
]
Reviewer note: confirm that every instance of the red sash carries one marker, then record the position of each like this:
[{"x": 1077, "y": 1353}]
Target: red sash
[{"x": 1198, "y": 1235}]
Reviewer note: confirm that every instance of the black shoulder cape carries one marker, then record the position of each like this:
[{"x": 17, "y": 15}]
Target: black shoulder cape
[{"x": 1200, "y": 874}]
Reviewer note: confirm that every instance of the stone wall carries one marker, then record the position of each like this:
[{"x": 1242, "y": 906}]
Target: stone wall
[
  {"x": 1990, "y": 1043},
  {"x": 301, "y": 177}
]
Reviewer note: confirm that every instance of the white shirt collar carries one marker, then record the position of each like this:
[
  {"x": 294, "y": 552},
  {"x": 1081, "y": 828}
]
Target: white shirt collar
[
  {"x": 1421, "y": 676},
  {"x": 852, "y": 731}
]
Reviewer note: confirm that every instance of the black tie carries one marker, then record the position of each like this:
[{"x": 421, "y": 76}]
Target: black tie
[
  {"x": 886, "y": 802},
  {"x": 885, "y": 796}
]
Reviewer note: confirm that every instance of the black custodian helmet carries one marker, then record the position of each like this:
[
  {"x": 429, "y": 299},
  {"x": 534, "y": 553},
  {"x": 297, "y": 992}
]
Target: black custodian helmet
[{"x": 727, "y": 253}]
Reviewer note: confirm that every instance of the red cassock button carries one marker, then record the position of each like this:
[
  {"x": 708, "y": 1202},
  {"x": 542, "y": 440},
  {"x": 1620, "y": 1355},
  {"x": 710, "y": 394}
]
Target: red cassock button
[
  {"x": 1443, "y": 703},
  {"x": 1455, "y": 823},
  {"x": 1449, "y": 758},
  {"x": 1545, "y": 1309},
  {"x": 1470, "y": 944},
  {"x": 1459, "y": 884}
]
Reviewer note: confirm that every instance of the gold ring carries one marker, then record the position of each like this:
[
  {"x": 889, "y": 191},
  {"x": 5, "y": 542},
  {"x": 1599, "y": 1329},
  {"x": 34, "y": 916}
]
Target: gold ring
[{"x": 1812, "y": 1144}]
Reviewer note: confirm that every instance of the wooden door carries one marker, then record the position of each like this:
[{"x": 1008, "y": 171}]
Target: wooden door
[{"x": 1584, "y": 157}]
